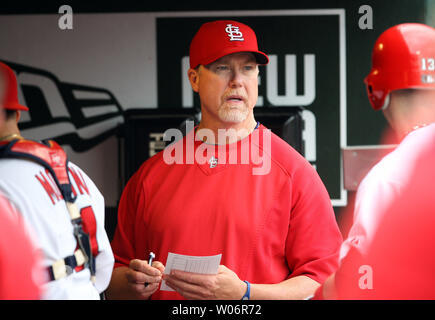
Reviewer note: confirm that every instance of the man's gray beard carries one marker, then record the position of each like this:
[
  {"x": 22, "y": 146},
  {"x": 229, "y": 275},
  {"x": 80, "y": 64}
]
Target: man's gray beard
[{"x": 233, "y": 115}]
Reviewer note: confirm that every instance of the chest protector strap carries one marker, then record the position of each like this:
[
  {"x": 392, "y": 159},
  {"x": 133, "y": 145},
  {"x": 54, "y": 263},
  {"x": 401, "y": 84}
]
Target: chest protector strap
[{"x": 52, "y": 157}]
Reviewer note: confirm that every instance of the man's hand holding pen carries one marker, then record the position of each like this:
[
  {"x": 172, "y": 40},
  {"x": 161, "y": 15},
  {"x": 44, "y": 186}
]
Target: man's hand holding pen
[{"x": 144, "y": 278}]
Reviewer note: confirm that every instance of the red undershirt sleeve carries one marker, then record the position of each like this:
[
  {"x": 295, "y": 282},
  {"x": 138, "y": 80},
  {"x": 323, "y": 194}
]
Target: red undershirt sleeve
[
  {"x": 314, "y": 238},
  {"x": 123, "y": 241}
]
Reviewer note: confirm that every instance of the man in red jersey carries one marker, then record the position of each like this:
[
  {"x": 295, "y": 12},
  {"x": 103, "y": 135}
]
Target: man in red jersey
[
  {"x": 385, "y": 255},
  {"x": 21, "y": 273},
  {"x": 238, "y": 190}
]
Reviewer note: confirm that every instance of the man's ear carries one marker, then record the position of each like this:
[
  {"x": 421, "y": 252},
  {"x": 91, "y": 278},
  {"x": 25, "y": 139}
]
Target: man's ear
[
  {"x": 193, "y": 75},
  {"x": 17, "y": 115}
]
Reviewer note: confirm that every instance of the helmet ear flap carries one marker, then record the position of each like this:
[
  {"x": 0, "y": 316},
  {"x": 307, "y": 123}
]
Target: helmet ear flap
[
  {"x": 377, "y": 95},
  {"x": 371, "y": 96}
]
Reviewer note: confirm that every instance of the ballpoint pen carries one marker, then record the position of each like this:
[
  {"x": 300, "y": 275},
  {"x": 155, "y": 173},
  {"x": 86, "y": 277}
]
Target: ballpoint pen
[{"x": 150, "y": 261}]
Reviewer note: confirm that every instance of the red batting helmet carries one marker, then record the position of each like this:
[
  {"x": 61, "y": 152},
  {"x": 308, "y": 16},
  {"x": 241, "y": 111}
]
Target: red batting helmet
[{"x": 403, "y": 57}]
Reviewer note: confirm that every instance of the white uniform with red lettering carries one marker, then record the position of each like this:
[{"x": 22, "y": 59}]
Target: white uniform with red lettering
[{"x": 32, "y": 189}]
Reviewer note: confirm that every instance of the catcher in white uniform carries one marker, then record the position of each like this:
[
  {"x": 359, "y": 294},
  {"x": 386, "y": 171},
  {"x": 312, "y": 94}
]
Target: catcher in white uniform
[{"x": 63, "y": 208}]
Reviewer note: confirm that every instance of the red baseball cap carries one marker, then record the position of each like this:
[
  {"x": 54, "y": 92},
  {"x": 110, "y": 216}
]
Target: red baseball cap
[
  {"x": 10, "y": 92},
  {"x": 222, "y": 37}
]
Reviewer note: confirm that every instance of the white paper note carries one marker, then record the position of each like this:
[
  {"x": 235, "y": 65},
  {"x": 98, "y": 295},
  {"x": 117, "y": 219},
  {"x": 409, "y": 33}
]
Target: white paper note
[{"x": 195, "y": 264}]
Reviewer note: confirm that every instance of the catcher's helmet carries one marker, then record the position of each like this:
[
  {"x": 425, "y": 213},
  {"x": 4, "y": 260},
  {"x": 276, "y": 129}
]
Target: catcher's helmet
[{"x": 403, "y": 57}]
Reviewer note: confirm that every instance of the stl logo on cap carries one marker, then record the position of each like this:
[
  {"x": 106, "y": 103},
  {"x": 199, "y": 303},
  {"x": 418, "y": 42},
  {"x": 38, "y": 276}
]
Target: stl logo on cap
[{"x": 234, "y": 33}]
